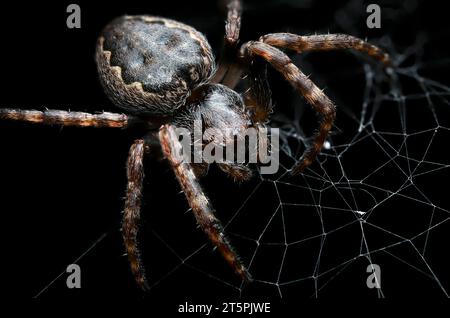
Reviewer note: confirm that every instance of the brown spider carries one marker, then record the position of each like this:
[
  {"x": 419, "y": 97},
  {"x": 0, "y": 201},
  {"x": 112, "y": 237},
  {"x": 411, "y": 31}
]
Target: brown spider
[{"x": 162, "y": 74}]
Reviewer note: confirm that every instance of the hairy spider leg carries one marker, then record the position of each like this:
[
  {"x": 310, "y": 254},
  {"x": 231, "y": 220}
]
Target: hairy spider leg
[
  {"x": 313, "y": 95},
  {"x": 65, "y": 118},
  {"x": 132, "y": 210},
  {"x": 258, "y": 94},
  {"x": 199, "y": 203},
  {"x": 325, "y": 42}
]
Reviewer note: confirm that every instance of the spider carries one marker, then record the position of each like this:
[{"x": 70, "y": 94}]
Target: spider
[{"x": 162, "y": 74}]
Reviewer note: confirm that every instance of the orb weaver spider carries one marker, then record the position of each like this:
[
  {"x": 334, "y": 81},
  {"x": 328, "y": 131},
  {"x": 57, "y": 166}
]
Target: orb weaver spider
[{"x": 162, "y": 74}]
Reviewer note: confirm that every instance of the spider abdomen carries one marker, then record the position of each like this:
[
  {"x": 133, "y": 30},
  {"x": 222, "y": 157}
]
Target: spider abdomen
[{"x": 150, "y": 65}]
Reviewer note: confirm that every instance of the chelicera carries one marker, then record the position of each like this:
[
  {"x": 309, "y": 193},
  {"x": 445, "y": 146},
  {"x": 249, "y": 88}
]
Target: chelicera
[{"x": 163, "y": 73}]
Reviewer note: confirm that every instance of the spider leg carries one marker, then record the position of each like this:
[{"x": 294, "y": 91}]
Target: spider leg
[
  {"x": 238, "y": 172},
  {"x": 228, "y": 71},
  {"x": 325, "y": 42},
  {"x": 258, "y": 96},
  {"x": 131, "y": 214},
  {"x": 202, "y": 208},
  {"x": 65, "y": 118},
  {"x": 313, "y": 95}
]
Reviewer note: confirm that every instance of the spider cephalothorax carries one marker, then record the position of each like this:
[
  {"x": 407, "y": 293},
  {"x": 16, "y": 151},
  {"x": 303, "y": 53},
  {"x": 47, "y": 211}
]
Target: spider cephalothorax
[{"x": 162, "y": 73}]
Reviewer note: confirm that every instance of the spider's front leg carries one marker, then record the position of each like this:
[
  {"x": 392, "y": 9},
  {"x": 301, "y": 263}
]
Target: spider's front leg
[
  {"x": 325, "y": 42},
  {"x": 131, "y": 214},
  {"x": 65, "y": 118},
  {"x": 202, "y": 208},
  {"x": 313, "y": 95}
]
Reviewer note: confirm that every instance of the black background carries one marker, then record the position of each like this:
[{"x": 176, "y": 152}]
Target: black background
[{"x": 61, "y": 189}]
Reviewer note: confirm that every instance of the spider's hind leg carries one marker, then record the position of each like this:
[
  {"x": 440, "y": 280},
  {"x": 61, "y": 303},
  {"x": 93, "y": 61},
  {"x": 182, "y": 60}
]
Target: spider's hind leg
[{"x": 201, "y": 207}]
